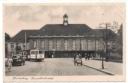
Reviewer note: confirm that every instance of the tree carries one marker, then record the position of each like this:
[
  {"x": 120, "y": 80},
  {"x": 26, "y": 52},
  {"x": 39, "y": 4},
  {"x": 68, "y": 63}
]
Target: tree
[
  {"x": 7, "y": 37},
  {"x": 120, "y": 41}
]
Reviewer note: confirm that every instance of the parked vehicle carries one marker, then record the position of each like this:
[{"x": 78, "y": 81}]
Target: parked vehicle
[
  {"x": 18, "y": 59},
  {"x": 36, "y": 55},
  {"x": 26, "y": 54}
]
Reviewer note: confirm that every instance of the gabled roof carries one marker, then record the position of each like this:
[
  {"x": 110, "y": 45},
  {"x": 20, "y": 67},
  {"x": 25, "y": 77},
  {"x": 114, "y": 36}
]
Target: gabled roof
[
  {"x": 20, "y": 37},
  {"x": 60, "y": 29}
]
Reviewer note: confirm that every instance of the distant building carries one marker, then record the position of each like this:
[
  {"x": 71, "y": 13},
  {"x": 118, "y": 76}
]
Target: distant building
[{"x": 62, "y": 39}]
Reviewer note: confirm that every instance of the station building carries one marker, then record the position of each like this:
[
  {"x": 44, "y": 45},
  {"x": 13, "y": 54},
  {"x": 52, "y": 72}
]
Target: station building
[{"x": 63, "y": 40}]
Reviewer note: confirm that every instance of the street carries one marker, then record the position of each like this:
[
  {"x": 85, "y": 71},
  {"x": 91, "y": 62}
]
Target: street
[{"x": 52, "y": 66}]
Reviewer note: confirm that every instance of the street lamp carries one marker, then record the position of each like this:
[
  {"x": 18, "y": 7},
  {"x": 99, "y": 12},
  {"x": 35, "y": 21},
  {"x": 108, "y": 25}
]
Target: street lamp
[{"x": 106, "y": 43}]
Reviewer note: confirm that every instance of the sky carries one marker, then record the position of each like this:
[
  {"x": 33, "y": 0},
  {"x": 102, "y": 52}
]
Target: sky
[{"x": 17, "y": 17}]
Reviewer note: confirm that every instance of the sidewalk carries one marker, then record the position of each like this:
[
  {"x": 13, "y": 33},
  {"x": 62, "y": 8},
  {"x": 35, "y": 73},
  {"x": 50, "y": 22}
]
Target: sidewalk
[{"x": 109, "y": 67}]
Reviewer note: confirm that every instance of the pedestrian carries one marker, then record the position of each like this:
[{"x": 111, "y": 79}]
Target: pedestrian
[
  {"x": 74, "y": 59},
  {"x": 52, "y": 55},
  {"x": 80, "y": 56},
  {"x": 8, "y": 63}
]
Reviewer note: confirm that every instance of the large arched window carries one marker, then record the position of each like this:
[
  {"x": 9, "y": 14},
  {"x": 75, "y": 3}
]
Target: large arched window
[
  {"x": 77, "y": 44},
  {"x": 66, "y": 45},
  {"x": 42, "y": 44},
  {"x": 83, "y": 44},
  {"x": 74, "y": 45},
  {"x": 50, "y": 44},
  {"x": 58, "y": 44}
]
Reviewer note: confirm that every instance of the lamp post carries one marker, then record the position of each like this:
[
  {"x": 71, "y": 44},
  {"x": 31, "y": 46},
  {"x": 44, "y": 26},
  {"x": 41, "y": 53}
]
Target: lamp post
[
  {"x": 106, "y": 42},
  {"x": 25, "y": 42},
  {"x": 102, "y": 62},
  {"x": 80, "y": 46},
  {"x": 95, "y": 45}
]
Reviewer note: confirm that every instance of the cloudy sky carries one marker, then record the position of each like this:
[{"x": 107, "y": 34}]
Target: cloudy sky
[{"x": 17, "y": 17}]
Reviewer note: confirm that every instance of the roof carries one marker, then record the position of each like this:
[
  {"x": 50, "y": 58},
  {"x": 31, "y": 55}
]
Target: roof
[
  {"x": 60, "y": 29},
  {"x": 102, "y": 33},
  {"x": 20, "y": 37},
  {"x": 65, "y": 15}
]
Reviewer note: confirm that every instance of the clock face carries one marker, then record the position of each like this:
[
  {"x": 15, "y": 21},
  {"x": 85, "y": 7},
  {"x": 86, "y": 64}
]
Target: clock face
[{"x": 65, "y": 19}]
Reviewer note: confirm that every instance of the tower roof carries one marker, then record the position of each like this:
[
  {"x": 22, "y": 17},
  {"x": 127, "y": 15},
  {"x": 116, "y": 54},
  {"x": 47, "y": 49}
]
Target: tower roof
[
  {"x": 60, "y": 30},
  {"x": 65, "y": 15}
]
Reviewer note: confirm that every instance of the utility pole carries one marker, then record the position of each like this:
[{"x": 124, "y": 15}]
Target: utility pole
[
  {"x": 80, "y": 47},
  {"x": 102, "y": 62},
  {"x": 105, "y": 38},
  {"x": 106, "y": 46},
  {"x": 106, "y": 42},
  {"x": 25, "y": 42},
  {"x": 95, "y": 45}
]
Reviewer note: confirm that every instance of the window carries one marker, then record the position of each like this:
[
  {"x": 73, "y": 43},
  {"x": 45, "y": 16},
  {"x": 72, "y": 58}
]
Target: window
[
  {"x": 83, "y": 44},
  {"x": 35, "y": 44},
  {"x": 41, "y": 52},
  {"x": 58, "y": 44},
  {"x": 34, "y": 52},
  {"x": 42, "y": 44},
  {"x": 54, "y": 44},
  {"x": 46, "y": 45},
  {"x": 70, "y": 44},
  {"x": 66, "y": 45},
  {"x": 77, "y": 44},
  {"x": 50, "y": 44},
  {"x": 90, "y": 45},
  {"x": 74, "y": 46}
]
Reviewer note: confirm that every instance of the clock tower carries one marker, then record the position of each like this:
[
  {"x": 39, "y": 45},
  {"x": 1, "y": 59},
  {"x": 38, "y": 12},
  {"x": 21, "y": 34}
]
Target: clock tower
[{"x": 65, "y": 20}]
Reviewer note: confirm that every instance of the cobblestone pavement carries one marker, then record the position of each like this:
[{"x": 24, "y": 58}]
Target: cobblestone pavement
[{"x": 52, "y": 66}]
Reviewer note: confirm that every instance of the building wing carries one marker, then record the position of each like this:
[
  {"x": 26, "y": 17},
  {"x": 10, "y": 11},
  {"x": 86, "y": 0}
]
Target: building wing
[{"x": 20, "y": 37}]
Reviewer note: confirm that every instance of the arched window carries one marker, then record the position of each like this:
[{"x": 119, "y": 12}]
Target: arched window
[{"x": 66, "y": 45}]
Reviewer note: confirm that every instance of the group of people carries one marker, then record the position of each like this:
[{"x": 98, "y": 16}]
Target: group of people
[
  {"x": 89, "y": 56},
  {"x": 86, "y": 56},
  {"x": 77, "y": 56}
]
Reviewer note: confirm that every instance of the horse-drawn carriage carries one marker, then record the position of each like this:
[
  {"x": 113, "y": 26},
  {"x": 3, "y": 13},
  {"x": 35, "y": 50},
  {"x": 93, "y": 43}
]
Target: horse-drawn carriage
[{"x": 78, "y": 60}]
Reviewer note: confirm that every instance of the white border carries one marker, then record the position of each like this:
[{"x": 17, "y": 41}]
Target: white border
[
  {"x": 126, "y": 42},
  {"x": 1, "y": 44},
  {"x": 62, "y": 1},
  {"x": 57, "y": 1}
]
